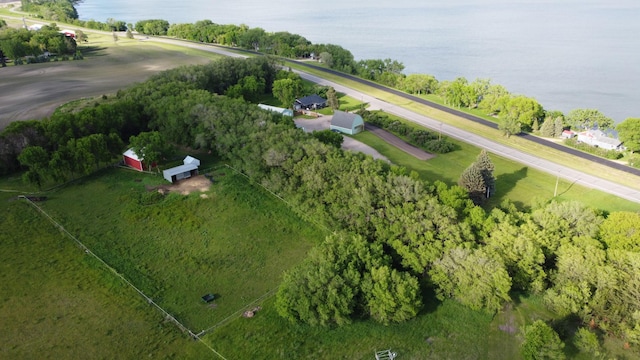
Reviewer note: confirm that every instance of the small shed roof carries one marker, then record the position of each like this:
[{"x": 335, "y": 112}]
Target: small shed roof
[
  {"x": 343, "y": 119},
  {"x": 179, "y": 170},
  {"x": 191, "y": 160},
  {"x": 131, "y": 154},
  {"x": 279, "y": 110}
]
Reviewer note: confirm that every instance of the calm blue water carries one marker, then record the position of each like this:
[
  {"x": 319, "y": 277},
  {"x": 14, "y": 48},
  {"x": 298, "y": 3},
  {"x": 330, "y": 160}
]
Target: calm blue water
[{"x": 565, "y": 53}]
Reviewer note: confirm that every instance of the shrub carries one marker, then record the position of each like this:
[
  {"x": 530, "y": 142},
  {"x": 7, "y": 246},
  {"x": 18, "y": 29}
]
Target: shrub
[{"x": 607, "y": 154}]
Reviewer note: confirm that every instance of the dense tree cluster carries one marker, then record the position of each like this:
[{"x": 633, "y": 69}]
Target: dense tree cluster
[
  {"x": 56, "y": 10},
  {"x": 394, "y": 234},
  {"x": 15, "y": 44}
]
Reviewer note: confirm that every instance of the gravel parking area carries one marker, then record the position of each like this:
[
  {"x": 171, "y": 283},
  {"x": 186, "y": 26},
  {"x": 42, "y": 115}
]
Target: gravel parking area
[{"x": 324, "y": 122}]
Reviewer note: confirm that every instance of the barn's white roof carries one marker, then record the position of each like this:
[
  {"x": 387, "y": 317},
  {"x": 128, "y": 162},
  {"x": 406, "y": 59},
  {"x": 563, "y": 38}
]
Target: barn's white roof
[{"x": 132, "y": 154}]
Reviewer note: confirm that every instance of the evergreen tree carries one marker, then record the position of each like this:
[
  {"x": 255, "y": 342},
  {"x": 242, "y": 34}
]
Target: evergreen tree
[
  {"x": 332, "y": 99},
  {"x": 559, "y": 126},
  {"x": 472, "y": 180},
  {"x": 548, "y": 128},
  {"x": 486, "y": 169}
]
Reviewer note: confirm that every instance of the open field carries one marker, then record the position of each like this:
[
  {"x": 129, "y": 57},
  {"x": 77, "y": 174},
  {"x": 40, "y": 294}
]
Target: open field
[
  {"x": 34, "y": 91},
  {"x": 58, "y": 303},
  {"x": 235, "y": 242}
]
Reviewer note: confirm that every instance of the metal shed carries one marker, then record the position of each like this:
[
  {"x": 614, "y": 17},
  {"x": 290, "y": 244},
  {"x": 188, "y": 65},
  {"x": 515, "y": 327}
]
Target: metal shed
[
  {"x": 188, "y": 169},
  {"x": 347, "y": 123}
]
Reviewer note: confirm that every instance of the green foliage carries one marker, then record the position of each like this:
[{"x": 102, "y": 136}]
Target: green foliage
[
  {"x": 486, "y": 168},
  {"x": 478, "y": 179},
  {"x": 472, "y": 277},
  {"x": 392, "y": 296},
  {"x": 629, "y": 133},
  {"x": 58, "y": 10},
  {"x": 287, "y": 90},
  {"x": 521, "y": 110},
  {"x": 332, "y": 99},
  {"x": 541, "y": 342},
  {"x": 588, "y": 119},
  {"x": 151, "y": 146},
  {"x": 587, "y": 342},
  {"x": 509, "y": 126},
  {"x": 325, "y": 289},
  {"x": 621, "y": 230},
  {"x": 156, "y": 27},
  {"x": 419, "y": 84},
  {"x": 329, "y": 137},
  {"x": 422, "y": 138},
  {"x": 18, "y": 43},
  {"x": 472, "y": 180},
  {"x": 548, "y": 128}
]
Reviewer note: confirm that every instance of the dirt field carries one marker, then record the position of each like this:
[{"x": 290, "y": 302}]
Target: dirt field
[
  {"x": 185, "y": 187},
  {"x": 34, "y": 91}
]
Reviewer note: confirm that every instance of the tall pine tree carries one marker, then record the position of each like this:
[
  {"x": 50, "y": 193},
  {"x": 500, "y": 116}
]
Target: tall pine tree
[
  {"x": 472, "y": 180},
  {"x": 486, "y": 169}
]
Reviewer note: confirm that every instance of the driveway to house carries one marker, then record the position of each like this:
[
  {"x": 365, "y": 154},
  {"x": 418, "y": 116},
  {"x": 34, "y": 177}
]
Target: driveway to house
[{"x": 348, "y": 143}]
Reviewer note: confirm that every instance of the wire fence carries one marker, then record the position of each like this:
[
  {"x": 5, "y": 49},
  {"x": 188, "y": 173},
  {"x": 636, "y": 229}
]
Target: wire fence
[
  {"x": 88, "y": 251},
  {"x": 166, "y": 314}
]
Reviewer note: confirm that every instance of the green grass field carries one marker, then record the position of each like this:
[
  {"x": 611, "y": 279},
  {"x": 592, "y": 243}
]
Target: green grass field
[
  {"x": 57, "y": 302},
  {"x": 234, "y": 243}
]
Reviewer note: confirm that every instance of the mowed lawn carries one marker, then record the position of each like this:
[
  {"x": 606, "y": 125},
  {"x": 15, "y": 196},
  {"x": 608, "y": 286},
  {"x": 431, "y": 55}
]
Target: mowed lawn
[
  {"x": 514, "y": 181},
  {"x": 233, "y": 241}
]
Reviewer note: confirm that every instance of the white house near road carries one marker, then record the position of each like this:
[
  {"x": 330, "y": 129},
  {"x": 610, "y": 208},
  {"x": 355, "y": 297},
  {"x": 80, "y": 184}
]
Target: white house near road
[
  {"x": 347, "y": 123},
  {"x": 599, "y": 139}
]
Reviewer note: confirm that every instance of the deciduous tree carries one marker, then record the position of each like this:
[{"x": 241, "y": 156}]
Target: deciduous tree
[
  {"x": 588, "y": 119},
  {"x": 541, "y": 342},
  {"x": 472, "y": 277},
  {"x": 629, "y": 132}
]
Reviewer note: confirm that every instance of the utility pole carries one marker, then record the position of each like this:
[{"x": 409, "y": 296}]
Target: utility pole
[{"x": 555, "y": 192}]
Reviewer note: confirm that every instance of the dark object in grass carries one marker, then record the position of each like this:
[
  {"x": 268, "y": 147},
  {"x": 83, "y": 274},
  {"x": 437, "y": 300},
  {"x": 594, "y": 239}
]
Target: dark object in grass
[
  {"x": 36, "y": 198},
  {"x": 208, "y": 298}
]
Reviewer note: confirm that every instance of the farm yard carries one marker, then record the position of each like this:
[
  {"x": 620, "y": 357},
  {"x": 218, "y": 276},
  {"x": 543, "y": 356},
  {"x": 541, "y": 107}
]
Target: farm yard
[{"x": 235, "y": 244}]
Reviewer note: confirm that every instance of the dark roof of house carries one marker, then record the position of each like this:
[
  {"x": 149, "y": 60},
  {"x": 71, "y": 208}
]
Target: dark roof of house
[
  {"x": 311, "y": 99},
  {"x": 343, "y": 119}
]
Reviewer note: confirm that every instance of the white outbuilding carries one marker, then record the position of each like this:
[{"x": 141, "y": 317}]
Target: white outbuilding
[{"x": 188, "y": 169}]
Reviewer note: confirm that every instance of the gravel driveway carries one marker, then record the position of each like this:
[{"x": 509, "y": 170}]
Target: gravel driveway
[{"x": 323, "y": 123}]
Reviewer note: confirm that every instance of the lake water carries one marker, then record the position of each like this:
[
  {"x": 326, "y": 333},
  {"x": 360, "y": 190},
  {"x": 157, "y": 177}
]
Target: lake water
[{"x": 567, "y": 54}]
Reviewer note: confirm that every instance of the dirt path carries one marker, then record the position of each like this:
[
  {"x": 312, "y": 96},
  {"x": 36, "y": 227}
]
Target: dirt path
[{"x": 399, "y": 143}]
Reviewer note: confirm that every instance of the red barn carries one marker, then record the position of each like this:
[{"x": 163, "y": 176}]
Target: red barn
[{"x": 132, "y": 160}]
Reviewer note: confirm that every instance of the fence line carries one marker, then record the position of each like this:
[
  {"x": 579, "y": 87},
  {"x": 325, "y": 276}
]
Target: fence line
[
  {"x": 225, "y": 320},
  {"x": 167, "y": 315},
  {"x": 301, "y": 214}
]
